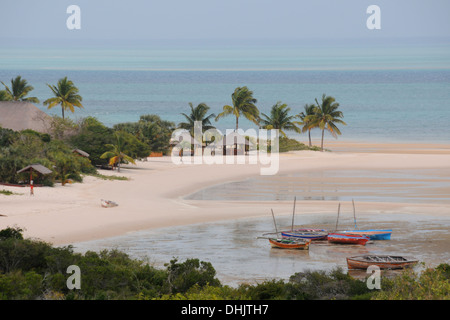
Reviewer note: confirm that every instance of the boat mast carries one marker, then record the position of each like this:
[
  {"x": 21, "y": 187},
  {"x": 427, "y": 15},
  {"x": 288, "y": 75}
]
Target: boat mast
[
  {"x": 273, "y": 216},
  {"x": 293, "y": 213},
  {"x": 354, "y": 214},
  {"x": 339, "y": 209}
]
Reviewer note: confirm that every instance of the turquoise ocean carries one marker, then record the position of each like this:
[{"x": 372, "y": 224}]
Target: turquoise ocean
[{"x": 391, "y": 92}]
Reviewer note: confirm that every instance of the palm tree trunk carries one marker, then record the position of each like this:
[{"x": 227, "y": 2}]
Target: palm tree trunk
[
  {"x": 323, "y": 131},
  {"x": 237, "y": 123},
  {"x": 62, "y": 108},
  {"x": 309, "y": 134}
]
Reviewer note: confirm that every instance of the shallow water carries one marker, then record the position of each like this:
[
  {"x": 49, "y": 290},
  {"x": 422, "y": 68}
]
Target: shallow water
[
  {"x": 239, "y": 256},
  {"x": 393, "y": 185}
]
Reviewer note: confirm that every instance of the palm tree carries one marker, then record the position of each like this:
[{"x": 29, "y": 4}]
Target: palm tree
[
  {"x": 197, "y": 114},
  {"x": 309, "y": 111},
  {"x": 325, "y": 117},
  {"x": 66, "y": 94},
  {"x": 18, "y": 91},
  {"x": 117, "y": 153},
  {"x": 243, "y": 103},
  {"x": 4, "y": 95},
  {"x": 279, "y": 119}
]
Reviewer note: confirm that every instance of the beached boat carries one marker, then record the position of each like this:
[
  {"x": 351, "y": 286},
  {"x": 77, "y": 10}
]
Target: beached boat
[
  {"x": 347, "y": 238},
  {"x": 287, "y": 243},
  {"x": 373, "y": 234},
  {"x": 381, "y": 261},
  {"x": 108, "y": 203},
  {"x": 310, "y": 235}
]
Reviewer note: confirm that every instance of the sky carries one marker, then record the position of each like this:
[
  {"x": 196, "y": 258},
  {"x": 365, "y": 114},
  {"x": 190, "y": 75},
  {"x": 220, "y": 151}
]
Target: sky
[{"x": 220, "y": 20}]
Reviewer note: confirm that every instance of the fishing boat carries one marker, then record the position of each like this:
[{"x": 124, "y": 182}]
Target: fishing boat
[
  {"x": 373, "y": 234},
  {"x": 304, "y": 233},
  {"x": 381, "y": 261},
  {"x": 287, "y": 243},
  {"x": 347, "y": 238}
]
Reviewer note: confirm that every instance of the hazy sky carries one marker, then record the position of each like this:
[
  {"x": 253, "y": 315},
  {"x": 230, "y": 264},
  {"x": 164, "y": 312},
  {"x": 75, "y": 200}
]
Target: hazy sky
[{"x": 222, "y": 19}]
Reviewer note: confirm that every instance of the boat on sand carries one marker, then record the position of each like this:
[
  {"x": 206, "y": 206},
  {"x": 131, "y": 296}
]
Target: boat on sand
[
  {"x": 342, "y": 238},
  {"x": 287, "y": 243}
]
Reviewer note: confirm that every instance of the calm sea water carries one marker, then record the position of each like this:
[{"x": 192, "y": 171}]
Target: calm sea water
[{"x": 387, "y": 93}]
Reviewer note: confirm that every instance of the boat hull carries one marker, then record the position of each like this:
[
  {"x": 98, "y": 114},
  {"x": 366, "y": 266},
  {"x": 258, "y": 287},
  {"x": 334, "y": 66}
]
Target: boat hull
[
  {"x": 317, "y": 234},
  {"x": 373, "y": 234},
  {"x": 342, "y": 238},
  {"x": 289, "y": 244},
  {"x": 383, "y": 262}
]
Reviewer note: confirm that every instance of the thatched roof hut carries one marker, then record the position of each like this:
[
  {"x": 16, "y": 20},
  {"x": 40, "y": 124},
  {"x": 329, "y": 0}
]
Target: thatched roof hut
[
  {"x": 21, "y": 115},
  {"x": 81, "y": 153},
  {"x": 36, "y": 167}
]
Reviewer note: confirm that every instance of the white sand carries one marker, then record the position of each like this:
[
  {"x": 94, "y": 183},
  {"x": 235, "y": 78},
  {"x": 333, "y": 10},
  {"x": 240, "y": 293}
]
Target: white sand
[{"x": 153, "y": 197}]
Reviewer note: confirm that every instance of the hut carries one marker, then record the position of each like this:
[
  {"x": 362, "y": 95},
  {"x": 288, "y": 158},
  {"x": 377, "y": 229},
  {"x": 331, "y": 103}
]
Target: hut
[
  {"x": 22, "y": 115},
  {"x": 38, "y": 168},
  {"x": 234, "y": 144},
  {"x": 81, "y": 153}
]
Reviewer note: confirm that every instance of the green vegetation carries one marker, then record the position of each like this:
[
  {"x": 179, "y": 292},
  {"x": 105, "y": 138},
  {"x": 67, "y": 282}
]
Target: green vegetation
[
  {"x": 287, "y": 144},
  {"x": 18, "y": 91},
  {"x": 151, "y": 130},
  {"x": 325, "y": 116},
  {"x": 243, "y": 104},
  {"x": 279, "y": 119},
  {"x": 116, "y": 154},
  {"x": 32, "y": 269},
  {"x": 7, "y": 192},
  {"x": 105, "y": 177},
  {"x": 65, "y": 94},
  {"x": 197, "y": 114}
]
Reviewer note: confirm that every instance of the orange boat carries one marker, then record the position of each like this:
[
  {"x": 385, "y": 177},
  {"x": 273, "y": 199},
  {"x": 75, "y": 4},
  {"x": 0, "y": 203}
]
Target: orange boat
[{"x": 286, "y": 243}]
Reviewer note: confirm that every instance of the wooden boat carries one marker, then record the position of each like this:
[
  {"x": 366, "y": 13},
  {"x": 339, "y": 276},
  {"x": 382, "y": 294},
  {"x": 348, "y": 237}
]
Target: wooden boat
[
  {"x": 347, "y": 238},
  {"x": 310, "y": 235},
  {"x": 373, "y": 234},
  {"x": 381, "y": 261},
  {"x": 287, "y": 243}
]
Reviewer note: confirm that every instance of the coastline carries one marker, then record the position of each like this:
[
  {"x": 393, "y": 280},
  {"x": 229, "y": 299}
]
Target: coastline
[{"x": 154, "y": 195}]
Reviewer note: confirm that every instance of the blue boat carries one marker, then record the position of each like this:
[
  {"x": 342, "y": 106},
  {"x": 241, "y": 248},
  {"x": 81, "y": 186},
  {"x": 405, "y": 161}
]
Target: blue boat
[{"x": 373, "y": 234}]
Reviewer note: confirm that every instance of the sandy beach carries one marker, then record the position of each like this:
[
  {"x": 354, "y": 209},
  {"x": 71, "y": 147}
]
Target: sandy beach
[{"x": 154, "y": 195}]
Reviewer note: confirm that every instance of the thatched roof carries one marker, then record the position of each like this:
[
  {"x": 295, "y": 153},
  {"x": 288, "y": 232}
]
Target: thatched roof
[
  {"x": 36, "y": 167},
  {"x": 81, "y": 152},
  {"x": 21, "y": 115}
]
